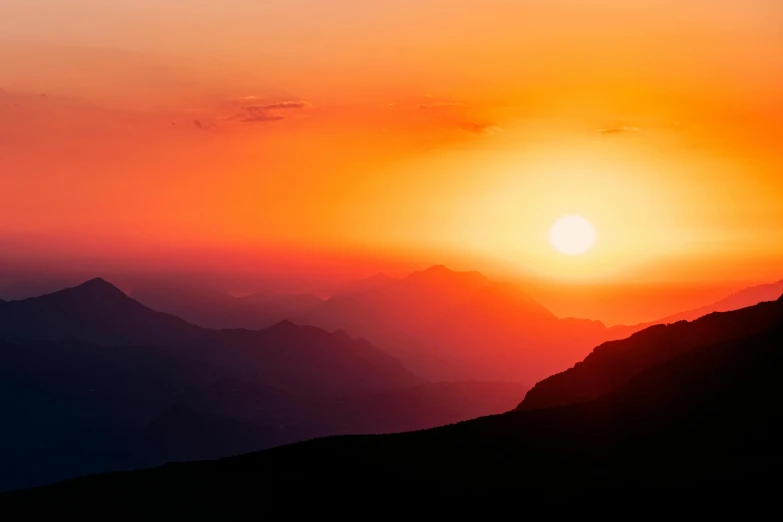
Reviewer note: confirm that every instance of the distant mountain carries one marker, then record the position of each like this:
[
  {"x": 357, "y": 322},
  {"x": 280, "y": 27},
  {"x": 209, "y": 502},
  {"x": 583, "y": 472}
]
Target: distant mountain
[
  {"x": 500, "y": 331},
  {"x": 448, "y": 325},
  {"x": 215, "y": 309},
  {"x": 699, "y": 432},
  {"x": 303, "y": 359},
  {"x": 398, "y": 306},
  {"x": 76, "y": 399},
  {"x": 300, "y": 358},
  {"x": 364, "y": 285},
  {"x": 95, "y": 311},
  {"x": 741, "y": 299},
  {"x": 614, "y": 363},
  {"x": 24, "y": 288}
]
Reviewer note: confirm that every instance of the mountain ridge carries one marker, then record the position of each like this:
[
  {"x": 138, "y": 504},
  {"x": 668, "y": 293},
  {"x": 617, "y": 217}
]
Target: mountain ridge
[
  {"x": 614, "y": 362},
  {"x": 706, "y": 422}
]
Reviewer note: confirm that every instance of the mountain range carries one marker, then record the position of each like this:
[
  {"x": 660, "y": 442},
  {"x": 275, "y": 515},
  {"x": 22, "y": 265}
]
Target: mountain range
[
  {"x": 94, "y": 381},
  {"x": 694, "y": 424},
  {"x": 211, "y": 308},
  {"x": 461, "y": 325}
]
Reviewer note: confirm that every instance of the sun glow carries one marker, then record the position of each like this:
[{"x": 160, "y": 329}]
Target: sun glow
[{"x": 572, "y": 235}]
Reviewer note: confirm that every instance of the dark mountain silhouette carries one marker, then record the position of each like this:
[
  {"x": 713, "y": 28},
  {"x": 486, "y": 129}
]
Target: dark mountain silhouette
[
  {"x": 74, "y": 407},
  {"x": 302, "y": 417},
  {"x": 614, "y": 363},
  {"x": 215, "y": 309},
  {"x": 421, "y": 407},
  {"x": 448, "y": 325},
  {"x": 289, "y": 356},
  {"x": 303, "y": 359},
  {"x": 71, "y": 408},
  {"x": 181, "y": 434},
  {"x": 95, "y": 311},
  {"x": 24, "y": 288},
  {"x": 698, "y": 431}
]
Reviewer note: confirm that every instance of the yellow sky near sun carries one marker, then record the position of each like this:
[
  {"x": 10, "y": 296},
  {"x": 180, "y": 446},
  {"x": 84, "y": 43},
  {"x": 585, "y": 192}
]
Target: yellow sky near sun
[{"x": 463, "y": 129}]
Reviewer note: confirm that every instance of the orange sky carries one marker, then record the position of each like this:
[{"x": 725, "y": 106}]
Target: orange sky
[{"x": 398, "y": 134}]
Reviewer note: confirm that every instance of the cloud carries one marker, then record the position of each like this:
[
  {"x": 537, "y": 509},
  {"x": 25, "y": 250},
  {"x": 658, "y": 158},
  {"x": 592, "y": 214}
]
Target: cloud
[
  {"x": 257, "y": 113},
  {"x": 201, "y": 125},
  {"x": 439, "y": 105},
  {"x": 618, "y": 130},
  {"x": 478, "y": 128},
  {"x": 283, "y": 105},
  {"x": 254, "y": 114}
]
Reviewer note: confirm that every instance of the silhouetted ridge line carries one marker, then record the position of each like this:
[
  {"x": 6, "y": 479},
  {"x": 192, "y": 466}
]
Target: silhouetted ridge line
[
  {"x": 614, "y": 363},
  {"x": 706, "y": 422},
  {"x": 94, "y": 311}
]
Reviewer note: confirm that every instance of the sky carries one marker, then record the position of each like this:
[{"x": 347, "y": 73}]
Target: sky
[{"x": 348, "y": 137}]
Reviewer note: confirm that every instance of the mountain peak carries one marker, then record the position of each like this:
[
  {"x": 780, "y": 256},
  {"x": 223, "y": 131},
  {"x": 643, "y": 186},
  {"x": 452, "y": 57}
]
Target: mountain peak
[
  {"x": 442, "y": 271},
  {"x": 438, "y": 269},
  {"x": 97, "y": 286},
  {"x": 285, "y": 324},
  {"x": 97, "y": 282}
]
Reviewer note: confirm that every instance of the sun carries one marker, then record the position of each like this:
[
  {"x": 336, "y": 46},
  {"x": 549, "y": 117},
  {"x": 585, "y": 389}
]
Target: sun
[{"x": 572, "y": 235}]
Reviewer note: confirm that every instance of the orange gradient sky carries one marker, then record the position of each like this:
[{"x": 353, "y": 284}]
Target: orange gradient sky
[{"x": 397, "y": 134}]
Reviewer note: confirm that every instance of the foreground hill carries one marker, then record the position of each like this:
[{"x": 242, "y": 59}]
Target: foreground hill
[
  {"x": 614, "y": 363},
  {"x": 701, "y": 429}
]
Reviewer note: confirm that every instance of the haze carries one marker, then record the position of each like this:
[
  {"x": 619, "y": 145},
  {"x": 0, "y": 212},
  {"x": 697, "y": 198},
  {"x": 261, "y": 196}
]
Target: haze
[{"x": 319, "y": 141}]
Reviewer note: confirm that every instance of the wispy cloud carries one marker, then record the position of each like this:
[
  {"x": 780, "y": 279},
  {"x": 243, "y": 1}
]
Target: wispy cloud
[
  {"x": 478, "y": 128},
  {"x": 618, "y": 129},
  {"x": 258, "y": 113},
  {"x": 439, "y": 105},
  {"x": 283, "y": 105}
]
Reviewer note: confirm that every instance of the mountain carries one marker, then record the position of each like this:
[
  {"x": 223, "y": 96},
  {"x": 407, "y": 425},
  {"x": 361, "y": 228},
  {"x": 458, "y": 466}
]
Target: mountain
[
  {"x": 501, "y": 332},
  {"x": 303, "y": 359},
  {"x": 215, "y": 309},
  {"x": 95, "y": 311},
  {"x": 181, "y": 434},
  {"x": 614, "y": 363},
  {"x": 71, "y": 408},
  {"x": 700, "y": 431},
  {"x": 741, "y": 299},
  {"x": 405, "y": 409},
  {"x": 400, "y": 305},
  {"x": 448, "y": 325},
  {"x": 75, "y": 399},
  {"x": 364, "y": 285},
  {"x": 421, "y": 407},
  {"x": 24, "y": 287},
  {"x": 291, "y": 357}
]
